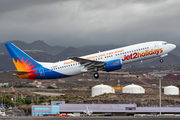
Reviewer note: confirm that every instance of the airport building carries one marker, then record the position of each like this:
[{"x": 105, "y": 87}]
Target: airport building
[
  {"x": 40, "y": 110},
  {"x": 100, "y": 109}
]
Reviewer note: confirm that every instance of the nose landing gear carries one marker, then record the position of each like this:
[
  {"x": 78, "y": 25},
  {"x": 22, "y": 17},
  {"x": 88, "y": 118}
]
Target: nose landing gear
[
  {"x": 96, "y": 75},
  {"x": 161, "y": 60}
]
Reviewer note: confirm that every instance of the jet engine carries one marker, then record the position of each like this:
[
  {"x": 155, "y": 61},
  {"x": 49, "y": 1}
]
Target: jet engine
[{"x": 113, "y": 65}]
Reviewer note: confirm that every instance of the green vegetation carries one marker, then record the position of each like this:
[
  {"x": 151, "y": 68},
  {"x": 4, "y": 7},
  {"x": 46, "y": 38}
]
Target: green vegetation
[
  {"x": 50, "y": 87},
  {"x": 178, "y": 86},
  {"x": 24, "y": 86},
  {"x": 25, "y": 97}
]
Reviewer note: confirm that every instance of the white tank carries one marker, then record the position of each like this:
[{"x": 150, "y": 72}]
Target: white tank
[
  {"x": 101, "y": 89},
  {"x": 171, "y": 90},
  {"x": 133, "y": 89}
]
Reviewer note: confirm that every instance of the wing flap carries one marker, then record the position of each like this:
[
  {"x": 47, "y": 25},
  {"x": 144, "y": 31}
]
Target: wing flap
[{"x": 82, "y": 60}]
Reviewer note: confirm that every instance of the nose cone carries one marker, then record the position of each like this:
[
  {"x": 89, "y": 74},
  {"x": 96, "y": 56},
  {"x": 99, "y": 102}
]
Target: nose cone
[{"x": 172, "y": 46}]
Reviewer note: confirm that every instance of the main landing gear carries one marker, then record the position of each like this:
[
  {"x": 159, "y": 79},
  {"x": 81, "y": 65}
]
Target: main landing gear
[
  {"x": 96, "y": 75},
  {"x": 161, "y": 60}
]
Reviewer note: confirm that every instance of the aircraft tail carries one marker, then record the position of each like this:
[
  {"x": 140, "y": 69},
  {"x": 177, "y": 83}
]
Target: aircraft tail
[{"x": 22, "y": 61}]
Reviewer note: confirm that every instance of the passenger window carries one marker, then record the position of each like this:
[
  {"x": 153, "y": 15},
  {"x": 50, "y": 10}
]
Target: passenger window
[{"x": 164, "y": 43}]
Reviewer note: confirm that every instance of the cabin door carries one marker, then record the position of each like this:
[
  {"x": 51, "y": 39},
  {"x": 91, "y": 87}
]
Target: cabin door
[{"x": 156, "y": 47}]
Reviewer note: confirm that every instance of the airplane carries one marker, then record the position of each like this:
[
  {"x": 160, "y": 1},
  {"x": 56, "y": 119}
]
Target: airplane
[
  {"x": 87, "y": 112},
  {"x": 108, "y": 61}
]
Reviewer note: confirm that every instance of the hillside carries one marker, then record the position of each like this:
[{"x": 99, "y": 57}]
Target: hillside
[{"x": 36, "y": 45}]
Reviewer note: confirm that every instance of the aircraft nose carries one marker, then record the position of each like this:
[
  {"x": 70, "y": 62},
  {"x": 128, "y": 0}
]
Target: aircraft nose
[{"x": 172, "y": 46}]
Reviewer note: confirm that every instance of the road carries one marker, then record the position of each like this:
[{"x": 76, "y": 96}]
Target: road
[{"x": 90, "y": 118}]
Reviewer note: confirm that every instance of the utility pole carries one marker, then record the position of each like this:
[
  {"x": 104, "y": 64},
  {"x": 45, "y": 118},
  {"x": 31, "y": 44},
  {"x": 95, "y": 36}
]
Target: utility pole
[
  {"x": 160, "y": 95},
  {"x": 32, "y": 99},
  {"x": 37, "y": 99},
  {"x": 15, "y": 98},
  {"x": 1, "y": 99}
]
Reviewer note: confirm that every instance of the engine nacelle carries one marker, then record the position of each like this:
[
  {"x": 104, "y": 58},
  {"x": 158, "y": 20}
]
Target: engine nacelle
[{"x": 113, "y": 65}]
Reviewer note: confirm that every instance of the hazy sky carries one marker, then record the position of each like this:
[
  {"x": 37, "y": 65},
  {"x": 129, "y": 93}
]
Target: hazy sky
[{"x": 90, "y": 22}]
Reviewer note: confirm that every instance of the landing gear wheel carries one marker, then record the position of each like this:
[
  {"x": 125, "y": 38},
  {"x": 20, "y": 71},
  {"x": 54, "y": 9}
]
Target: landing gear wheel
[
  {"x": 161, "y": 60},
  {"x": 96, "y": 75}
]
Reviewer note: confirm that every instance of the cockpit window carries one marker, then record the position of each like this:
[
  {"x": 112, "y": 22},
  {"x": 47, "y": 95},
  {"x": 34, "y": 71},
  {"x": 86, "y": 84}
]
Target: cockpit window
[{"x": 164, "y": 43}]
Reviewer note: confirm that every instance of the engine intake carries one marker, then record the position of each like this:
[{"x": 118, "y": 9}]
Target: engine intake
[{"x": 113, "y": 65}]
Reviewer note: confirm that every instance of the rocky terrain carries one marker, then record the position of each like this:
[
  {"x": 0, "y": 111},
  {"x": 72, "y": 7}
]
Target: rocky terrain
[{"x": 141, "y": 100}]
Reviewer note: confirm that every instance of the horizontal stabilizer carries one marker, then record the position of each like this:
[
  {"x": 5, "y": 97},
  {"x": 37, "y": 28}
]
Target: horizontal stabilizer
[{"x": 18, "y": 72}]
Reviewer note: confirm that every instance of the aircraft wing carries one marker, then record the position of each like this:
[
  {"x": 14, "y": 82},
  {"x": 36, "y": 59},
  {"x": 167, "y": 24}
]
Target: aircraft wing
[{"x": 89, "y": 64}]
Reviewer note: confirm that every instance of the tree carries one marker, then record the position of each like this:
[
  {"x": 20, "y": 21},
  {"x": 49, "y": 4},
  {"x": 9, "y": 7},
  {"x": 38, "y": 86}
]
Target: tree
[
  {"x": 178, "y": 86},
  {"x": 10, "y": 103},
  {"x": 50, "y": 87}
]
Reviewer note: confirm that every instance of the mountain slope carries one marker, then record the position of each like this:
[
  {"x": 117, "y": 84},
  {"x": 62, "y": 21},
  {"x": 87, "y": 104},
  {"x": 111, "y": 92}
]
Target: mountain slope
[{"x": 36, "y": 45}]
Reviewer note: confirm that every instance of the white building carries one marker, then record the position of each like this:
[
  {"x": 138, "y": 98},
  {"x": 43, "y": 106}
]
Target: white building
[
  {"x": 133, "y": 89},
  {"x": 101, "y": 89},
  {"x": 171, "y": 90}
]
